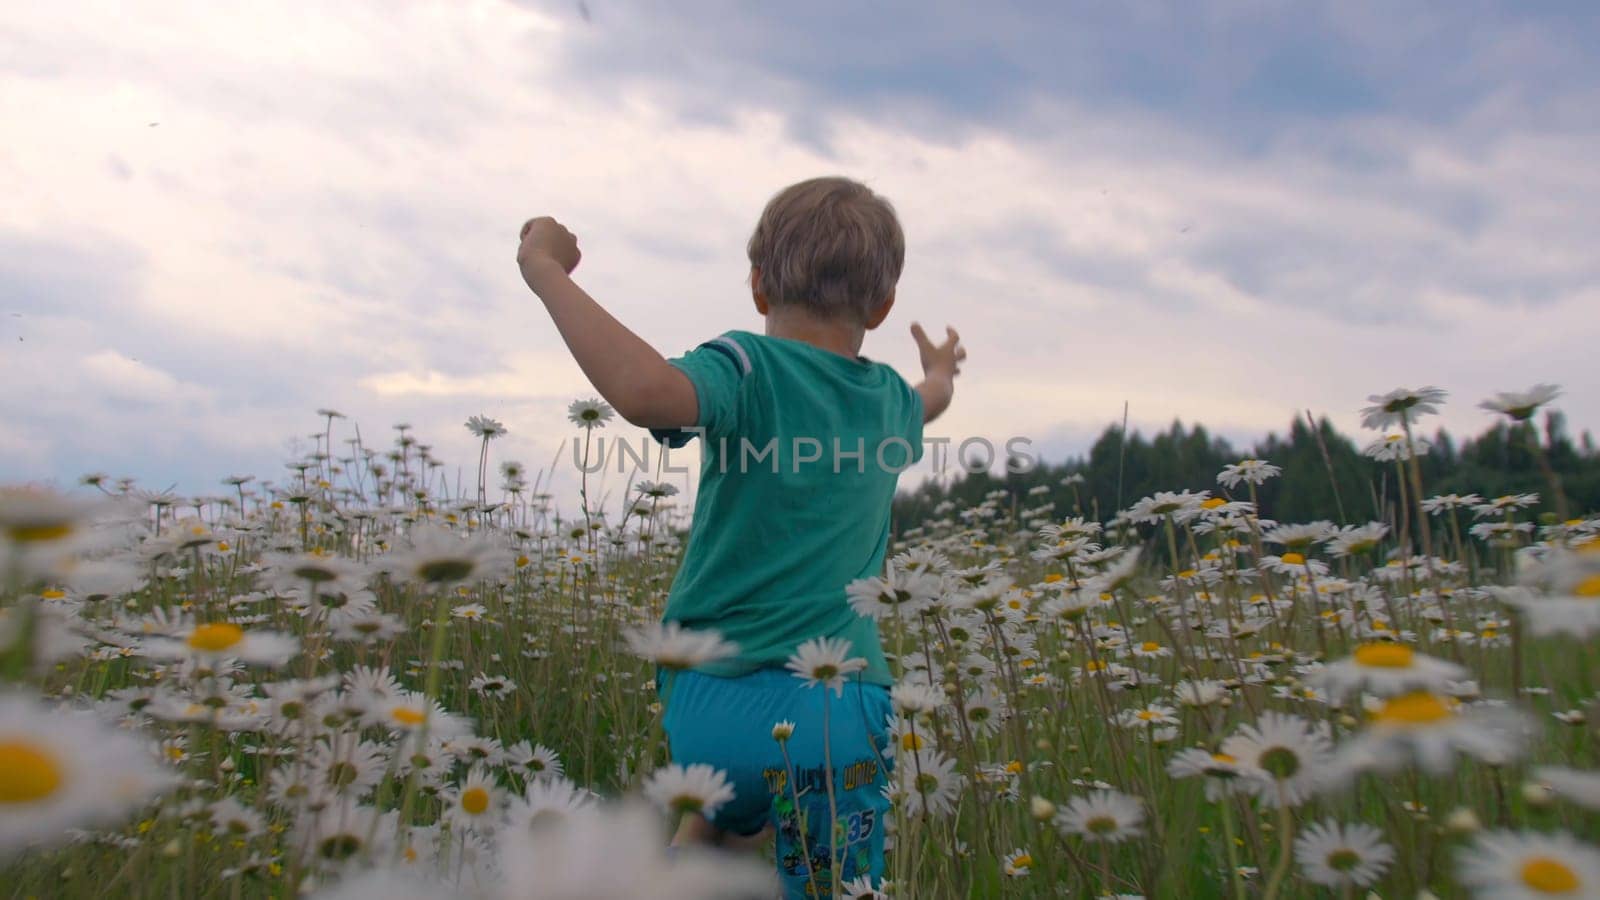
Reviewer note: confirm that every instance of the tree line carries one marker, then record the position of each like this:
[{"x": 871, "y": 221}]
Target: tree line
[{"x": 1326, "y": 475}]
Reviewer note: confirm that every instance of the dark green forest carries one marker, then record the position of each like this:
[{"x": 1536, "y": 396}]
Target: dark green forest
[{"x": 1328, "y": 478}]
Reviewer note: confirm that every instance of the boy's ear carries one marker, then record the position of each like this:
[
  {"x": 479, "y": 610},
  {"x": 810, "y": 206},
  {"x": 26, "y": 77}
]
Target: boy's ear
[
  {"x": 882, "y": 312},
  {"x": 762, "y": 306}
]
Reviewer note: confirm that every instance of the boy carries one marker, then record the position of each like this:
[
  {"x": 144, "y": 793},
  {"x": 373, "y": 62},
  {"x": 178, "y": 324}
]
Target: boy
[{"x": 803, "y": 439}]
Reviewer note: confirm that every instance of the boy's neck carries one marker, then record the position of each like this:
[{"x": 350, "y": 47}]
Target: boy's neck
[{"x": 836, "y": 336}]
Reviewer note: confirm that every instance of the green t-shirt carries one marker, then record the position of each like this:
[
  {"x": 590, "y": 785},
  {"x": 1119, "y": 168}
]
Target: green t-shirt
[{"x": 801, "y": 448}]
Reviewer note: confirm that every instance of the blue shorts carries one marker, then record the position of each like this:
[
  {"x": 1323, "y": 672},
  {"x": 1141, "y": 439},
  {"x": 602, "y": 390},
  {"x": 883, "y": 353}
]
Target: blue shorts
[{"x": 727, "y": 723}]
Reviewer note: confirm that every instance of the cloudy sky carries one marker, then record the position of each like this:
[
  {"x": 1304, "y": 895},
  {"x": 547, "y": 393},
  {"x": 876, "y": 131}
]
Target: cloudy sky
[{"x": 221, "y": 216}]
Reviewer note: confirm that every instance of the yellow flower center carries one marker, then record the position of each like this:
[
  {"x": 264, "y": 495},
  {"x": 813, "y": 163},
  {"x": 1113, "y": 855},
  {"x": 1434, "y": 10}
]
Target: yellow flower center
[
  {"x": 1022, "y": 862},
  {"x": 407, "y": 715},
  {"x": 33, "y": 534},
  {"x": 1014, "y": 767},
  {"x": 1224, "y": 758},
  {"x": 52, "y": 594},
  {"x": 1417, "y": 708},
  {"x": 1343, "y": 860},
  {"x": 910, "y": 741},
  {"x": 1549, "y": 876},
  {"x": 28, "y": 772},
  {"x": 1589, "y": 587},
  {"x": 1384, "y": 655},
  {"x": 1293, "y": 559},
  {"x": 1100, "y": 825},
  {"x": 475, "y": 800},
  {"x": 215, "y": 637},
  {"x": 1213, "y": 503},
  {"x": 1053, "y": 577},
  {"x": 1150, "y": 646}
]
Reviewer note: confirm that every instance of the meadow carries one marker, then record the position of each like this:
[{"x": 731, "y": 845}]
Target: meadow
[{"x": 357, "y": 681}]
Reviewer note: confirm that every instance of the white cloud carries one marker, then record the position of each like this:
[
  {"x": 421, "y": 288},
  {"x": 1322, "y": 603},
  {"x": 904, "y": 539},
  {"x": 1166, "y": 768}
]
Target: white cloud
[{"x": 325, "y": 214}]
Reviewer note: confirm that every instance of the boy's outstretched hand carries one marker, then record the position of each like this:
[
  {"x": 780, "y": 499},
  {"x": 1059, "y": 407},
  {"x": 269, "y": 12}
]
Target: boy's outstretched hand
[
  {"x": 941, "y": 363},
  {"x": 546, "y": 242}
]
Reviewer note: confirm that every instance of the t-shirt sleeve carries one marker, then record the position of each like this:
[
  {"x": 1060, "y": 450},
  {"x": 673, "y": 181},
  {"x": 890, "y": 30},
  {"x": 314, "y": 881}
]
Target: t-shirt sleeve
[{"x": 716, "y": 368}]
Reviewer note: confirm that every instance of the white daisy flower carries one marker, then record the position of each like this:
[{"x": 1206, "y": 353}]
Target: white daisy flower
[
  {"x": 1199, "y": 692},
  {"x": 1220, "y": 771},
  {"x": 1559, "y": 594},
  {"x": 1353, "y": 539},
  {"x": 1151, "y": 715},
  {"x": 1282, "y": 757},
  {"x": 861, "y": 888},
  {"x": 925, "y": 781},
  {"x": 1401, "y": 406},
  {"x": 673, "y": 647},
  {"x": 697, "y": 788},
  {"x": 610, "y": 852},
  {"x": 1181, "y": 506},
  {"x": 347, "y": 770},
  {"x": 1580, "y": 787},
  {"x": 62, "y": 769},
  {"x": 1443, "y": 503},
  {"x": 899, "y": 593},
  {"x": 1017, "y": 864},
  {"x": 409, "y": 711},
  {"x": 1527, "y": 865},
  {"x": 1300, "y": 537},
  {"x": 1386, "y": 668},
  {"x": 915, "y": 697},
  {"x": 476, "y": 804},
  {"x": 1102, "y": 816},
  {"x": 230, "y": 818},
  {"x": 42, "y": 531},
  {"x": 985, "y": 710},
  {"x": 338, "y": 835},
  {"x": 296, "y": 572},
  {"x": 548, "y": 801},
  {"x": 1519, "y": 406},
  {"x": 536, "y": 760},
  {"x": 492, "y": 686},
  {"x": 1428, "y": 729},
  {"x": 825, "y": 661},
  {"x": 224, "y": 640},
  {"x": 593, "y": 413},
  {"x": 1395, "y": 447},
  {"x": 1150, "y": 650},
  {"x": 1251, "y": 471},
  {"x": 1499, "y": 506},
  {"x": 485, "y": 427},
  {"x": 437, "y": 556},
  {"x": 1341, "y": 856}
]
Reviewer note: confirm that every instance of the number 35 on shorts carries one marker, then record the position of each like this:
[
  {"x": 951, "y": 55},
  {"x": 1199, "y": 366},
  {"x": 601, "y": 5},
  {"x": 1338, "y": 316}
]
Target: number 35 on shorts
[{"x": 858, "y": 826}]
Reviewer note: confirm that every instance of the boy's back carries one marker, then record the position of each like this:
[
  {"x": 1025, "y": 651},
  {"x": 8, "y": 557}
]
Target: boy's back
[
  {"x": 803, "y": 440},
  {"x": 801, "y": 451}
]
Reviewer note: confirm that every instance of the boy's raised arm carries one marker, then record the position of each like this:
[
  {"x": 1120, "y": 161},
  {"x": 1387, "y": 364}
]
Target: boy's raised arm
[
  {"x": 941, "y": 363},
  {"x": 628, "y": 373}
]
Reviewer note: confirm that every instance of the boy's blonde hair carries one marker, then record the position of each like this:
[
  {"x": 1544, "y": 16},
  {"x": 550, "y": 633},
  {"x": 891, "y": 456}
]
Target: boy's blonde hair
[{"x": 830, "y": 245}]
